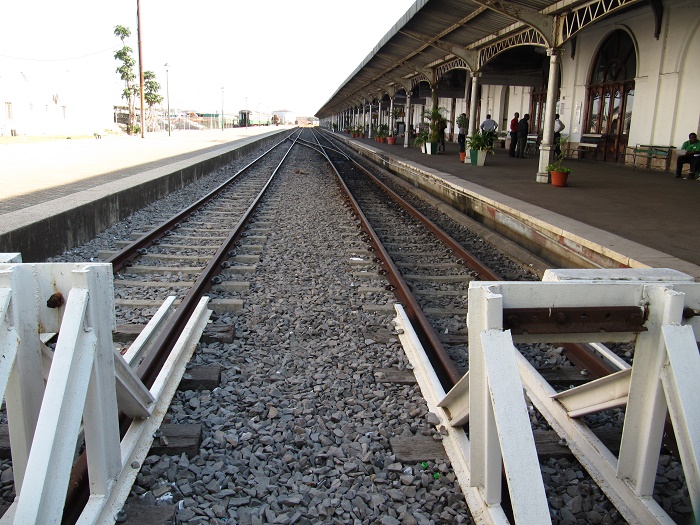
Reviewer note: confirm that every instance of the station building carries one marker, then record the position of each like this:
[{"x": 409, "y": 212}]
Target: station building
[{"x": 620, "y": 73}]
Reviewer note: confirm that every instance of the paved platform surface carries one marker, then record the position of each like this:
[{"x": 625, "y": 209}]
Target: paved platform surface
[
  {"x": 653, "y": 209},
  {"x": 35, "y": 172}
]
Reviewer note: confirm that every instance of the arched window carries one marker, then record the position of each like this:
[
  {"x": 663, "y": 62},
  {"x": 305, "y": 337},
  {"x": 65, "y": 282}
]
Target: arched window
[{"x": 611, "y": 93}]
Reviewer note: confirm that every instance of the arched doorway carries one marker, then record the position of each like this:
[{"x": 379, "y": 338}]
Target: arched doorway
[{"x": 611, "y": 94}]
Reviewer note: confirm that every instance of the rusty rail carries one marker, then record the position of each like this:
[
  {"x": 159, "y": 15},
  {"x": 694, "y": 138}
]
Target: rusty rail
[
  {"x": 127, "y": 254},
  {"x": 78, "y": 489}
]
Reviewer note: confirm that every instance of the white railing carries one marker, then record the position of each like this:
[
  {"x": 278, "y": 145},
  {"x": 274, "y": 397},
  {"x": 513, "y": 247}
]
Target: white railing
[
  {"x": 492, "y": 398},
  {"x": 52, "y": 398}
]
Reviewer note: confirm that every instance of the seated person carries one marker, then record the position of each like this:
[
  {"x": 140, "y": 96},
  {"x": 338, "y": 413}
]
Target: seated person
[{"x": 691, "y": 155}]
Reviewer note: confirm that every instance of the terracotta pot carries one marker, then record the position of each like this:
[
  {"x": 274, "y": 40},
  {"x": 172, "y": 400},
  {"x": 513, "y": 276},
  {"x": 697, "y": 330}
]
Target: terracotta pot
[
  {"x": 462, "y": 156},
  {"x": 559, "y": 178},
  {"x": 391, "y": 140}
]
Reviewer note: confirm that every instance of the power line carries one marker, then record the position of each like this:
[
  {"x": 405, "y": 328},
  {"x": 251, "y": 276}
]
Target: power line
[{"x": 61, "y": 59}]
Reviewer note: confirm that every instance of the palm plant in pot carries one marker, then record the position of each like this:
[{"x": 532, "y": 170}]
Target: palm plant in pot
[
  {"x": 382, "y": 132},
  {"x": 434, "y": 117},
  {"x": 421, "y": 139},
  {"x": 479, "y": 144},
  {"x": 558, "y": 172}
]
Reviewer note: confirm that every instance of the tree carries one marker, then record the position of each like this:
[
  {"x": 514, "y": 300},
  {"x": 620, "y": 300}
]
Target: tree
[
  {"x": 150, "y": 94},
  {"x": 126, "y": 73}
]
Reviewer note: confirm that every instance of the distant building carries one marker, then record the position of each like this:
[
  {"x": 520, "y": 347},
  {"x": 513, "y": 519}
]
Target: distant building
[
  {"x": 285, "y": 116},
  {"x": 43, "y": 105},
  {"x": 306, "y": 121}
]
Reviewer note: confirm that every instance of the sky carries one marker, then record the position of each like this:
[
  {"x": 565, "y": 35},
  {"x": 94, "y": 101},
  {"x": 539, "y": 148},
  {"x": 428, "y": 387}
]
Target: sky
[{"x": 266, "y": 54}]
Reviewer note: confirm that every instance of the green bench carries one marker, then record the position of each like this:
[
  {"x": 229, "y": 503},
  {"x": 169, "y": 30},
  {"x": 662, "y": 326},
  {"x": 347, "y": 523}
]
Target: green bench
[{"x": 649, "y": 153}]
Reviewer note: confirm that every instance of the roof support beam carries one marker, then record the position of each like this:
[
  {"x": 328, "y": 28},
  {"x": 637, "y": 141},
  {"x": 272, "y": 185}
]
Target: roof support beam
[
  {"x": 469, "y": 56},
  {"x": 542, "y": 23}
]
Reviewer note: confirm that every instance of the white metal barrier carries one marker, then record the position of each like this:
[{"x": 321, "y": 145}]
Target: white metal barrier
[
  {"x": 83, "y": 384},
  {"x": 662, "y": 380}
]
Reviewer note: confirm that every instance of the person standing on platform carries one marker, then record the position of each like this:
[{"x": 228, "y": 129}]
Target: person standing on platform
[
  {"x": 442, "y": 127},
  {"x": 462, "y": 138},
  {"x": 513, "y": 135},
  {"x": 558, "y": 128},
  {"x": 691, "y": 155},
  {"x": 489, "y": 124},
  {"x": 523, "y": 130}
]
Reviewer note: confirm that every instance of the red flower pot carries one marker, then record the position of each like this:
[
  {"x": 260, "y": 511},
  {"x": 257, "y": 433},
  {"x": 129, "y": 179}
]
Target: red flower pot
[{"x": 559, "y": 178}]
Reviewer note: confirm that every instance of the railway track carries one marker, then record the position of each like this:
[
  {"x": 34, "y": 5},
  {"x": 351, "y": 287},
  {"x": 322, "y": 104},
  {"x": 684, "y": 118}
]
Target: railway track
[
  {"x": 562, "y": 366},
  {"x": 301, "y": 427}
]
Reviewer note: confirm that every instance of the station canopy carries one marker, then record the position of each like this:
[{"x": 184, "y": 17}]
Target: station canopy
[{"x": 442, "y": 42}]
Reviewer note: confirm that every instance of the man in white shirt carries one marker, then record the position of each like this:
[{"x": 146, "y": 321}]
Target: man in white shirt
[
  {"x": 489, "y": 124},
  {"x": 558, "y": 128}
]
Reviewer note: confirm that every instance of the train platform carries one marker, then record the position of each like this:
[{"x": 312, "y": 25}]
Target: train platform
[
  {"x": 649, "y": 216},
  {"x": 55, "y": 194},
  {"x": 34, "y": 171}
]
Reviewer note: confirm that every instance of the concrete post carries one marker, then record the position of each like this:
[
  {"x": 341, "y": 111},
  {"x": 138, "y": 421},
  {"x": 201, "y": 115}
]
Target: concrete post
[
  {"x": 407, "y": 119},
  {"x": 472, "y": 104},
  {"x": 364, "y": 116},
  {"x": 369, "y": 132},
  {"x": 547, "y": 146},
  {"x": 391, "y": 117}
]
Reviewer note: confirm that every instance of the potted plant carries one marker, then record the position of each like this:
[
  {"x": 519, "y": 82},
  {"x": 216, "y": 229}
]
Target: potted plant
[
  {"x": 383, "y": 132},
  {"x": 391, "y": 139},
  {"x": 421, "y": 139},
  {"x": 479, "y": 144},
  {"x": 462, "y": 123},
  {"x": 434, "y": 116},
  {"x": 558, "y": 172}
]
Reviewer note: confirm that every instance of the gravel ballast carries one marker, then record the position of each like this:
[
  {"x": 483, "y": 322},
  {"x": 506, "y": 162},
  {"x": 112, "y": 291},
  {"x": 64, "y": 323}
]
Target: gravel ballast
[{"x": 299, "y": 429}]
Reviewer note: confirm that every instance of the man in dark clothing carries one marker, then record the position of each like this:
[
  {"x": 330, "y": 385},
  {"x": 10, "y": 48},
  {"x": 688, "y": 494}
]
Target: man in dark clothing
[
  {"x": 523, "y": 129},
  {"x": 442, "y": 128},
  {"x": 513, "y": 135}
]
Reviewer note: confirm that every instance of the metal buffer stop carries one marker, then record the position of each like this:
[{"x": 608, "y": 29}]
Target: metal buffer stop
[
  {"x": 84, "y": 380},
  {"x": 656, "y": 309}
]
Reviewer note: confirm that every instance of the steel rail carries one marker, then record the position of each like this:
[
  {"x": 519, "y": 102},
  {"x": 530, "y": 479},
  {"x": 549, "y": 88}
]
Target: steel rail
[
  {"x": 127, "y": 254},
  {"x": 580, "y": 355},
  {"x": 447, "y": 371},
  {"x": 78, "y": 490},
  {"x": 151, "y": 365}
]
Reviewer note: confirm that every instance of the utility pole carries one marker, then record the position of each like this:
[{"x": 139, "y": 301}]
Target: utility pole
[
  {"x": 138, "y": 24},
  {"x": 167, "y": 92}
]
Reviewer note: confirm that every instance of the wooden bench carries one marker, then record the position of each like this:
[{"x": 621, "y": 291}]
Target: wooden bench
[
  {"x": 589, "y": 143},
  {"x": 501, "y": 139},
  {"x": 649, "y": 153}
]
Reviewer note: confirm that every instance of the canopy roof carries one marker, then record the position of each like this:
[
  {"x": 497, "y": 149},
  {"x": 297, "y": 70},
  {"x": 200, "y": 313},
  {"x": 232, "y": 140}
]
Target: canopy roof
[{"x": 437, "y": 36}]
